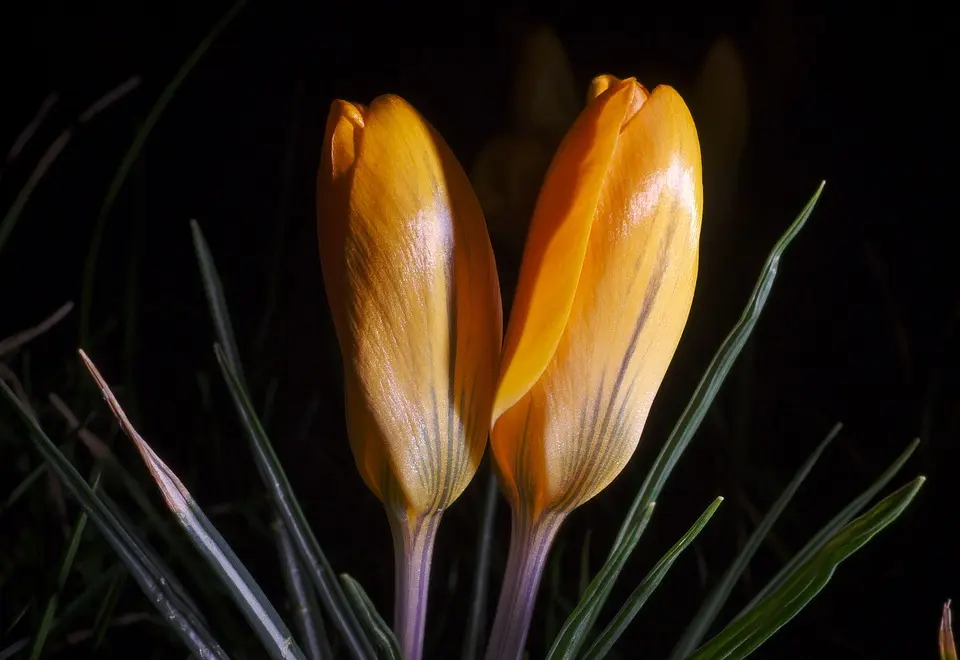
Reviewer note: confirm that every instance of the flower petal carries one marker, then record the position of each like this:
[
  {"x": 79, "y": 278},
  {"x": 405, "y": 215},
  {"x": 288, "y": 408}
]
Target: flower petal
[
  {"x": 412, "y": 285},
  {"x": 581, "y": 421},
  {"x": 556, "y": 244},
  {"x": 600, "y": 84},
  {"x": 334, "y": 178}
]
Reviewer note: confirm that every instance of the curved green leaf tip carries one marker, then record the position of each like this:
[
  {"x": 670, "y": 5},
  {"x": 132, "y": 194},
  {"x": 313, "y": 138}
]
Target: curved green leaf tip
[{"x": 746, "y": 634}]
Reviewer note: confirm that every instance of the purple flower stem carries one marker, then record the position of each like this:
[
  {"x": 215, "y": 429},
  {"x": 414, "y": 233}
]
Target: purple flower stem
[
  {"x": 413, "y": 551},
  {"x": 530, "y": 543}
]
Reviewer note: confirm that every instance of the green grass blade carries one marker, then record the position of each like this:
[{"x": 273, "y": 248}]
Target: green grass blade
[
  {"x": 130, "y": 157},
  {"x": 174, "y": 542},
  {"x": 308, "y": 618},
  {"x": 15, "y": 620},
  {"x": 23, "y": 139},
  {"x": 246, "y": 593},
  {"x": 481, "y": 576},
  {"x": 79, "y": 605},
  {"x": 105, "y": 613},
  {"x": 49, "y": 612},
  {"x": 331, "y": 594},
  {"x": 575, "y": 630},
  {"x": 191, "y": 629},
  {"x": 10, "y": 219},
  {"x": 373, "y": 623},
  {"x": 216, "y": 300},
  {"x": 12, "y": 215},
  {"x": 710, "y": 608},
  {"x": 746, "y": 634},
  {"x": 718, "y": 369},
  {"x": 23, "y": 486},
  {"x": 602, "y": 646},
  {"x": 152, "y": 561},
  {"x": 832, "y": 527},
  {"x": 105, "y": 457},
  {"x": 305, "y": 608}
]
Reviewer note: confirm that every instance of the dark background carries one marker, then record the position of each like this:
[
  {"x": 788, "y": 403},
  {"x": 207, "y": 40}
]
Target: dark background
[{"x": 861, "y": 328}]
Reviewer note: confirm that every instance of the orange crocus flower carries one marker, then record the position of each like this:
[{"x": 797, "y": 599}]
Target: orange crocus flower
[
  {"x": 412, "y": 286},
  {"x": 606, "y": 284}
]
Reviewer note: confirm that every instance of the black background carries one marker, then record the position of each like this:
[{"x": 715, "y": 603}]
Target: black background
[{"x": 861, "y": 328}]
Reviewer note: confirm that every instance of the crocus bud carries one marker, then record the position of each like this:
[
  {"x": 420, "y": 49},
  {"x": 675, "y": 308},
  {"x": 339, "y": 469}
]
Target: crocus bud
[
  {"x": 605, "y": 287},
  {"x": 412, "y": 286}
]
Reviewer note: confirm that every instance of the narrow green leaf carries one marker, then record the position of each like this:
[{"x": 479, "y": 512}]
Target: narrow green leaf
[
  {"x": 481, "y": 576},
  {"x": 154, "y": 583},
  {"x": 602, "y": 646},
  {"x": 20, "y": 339},
  {"x": 24, "y": 486},
  {"x": 574, "y": 633},
  {"x": 329, "y": 589},
  {"x": 29, "y": 131},
  {"x": 79, "y": 605},
  {"x": 187, "y": 560},
  {"x": 216, "y": 300},
  {"x": 130, "y": 157},
  {"x": 305, "y": 608},
  {"x": 271, "y": 473},
  {"x": 15, "y": 620},
  {"x": 15, "y": 648},
  {"x": 53, "y": 152},
  {"x": 114, "y": 468},
  {"x": 831, "y": 528},
  {"x": 46, "y": 622},
  {"x": 746, "y": 634},
  {"x": 717, "y": 371},
  {"x": 105, "y": 612},
  {"x": 376, "y": 628},
  {"x": 246, "y": 593},
  {"x": 568, "y": 642},
  {"x": 710, "y": 608},
  {"x": 153, "y": 562}
]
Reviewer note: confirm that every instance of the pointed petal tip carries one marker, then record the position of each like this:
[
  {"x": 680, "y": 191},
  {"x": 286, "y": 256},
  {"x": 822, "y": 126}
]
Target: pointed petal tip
[
  {"x": 353, "y": 112},
  {"x": 600, "y": 84}
]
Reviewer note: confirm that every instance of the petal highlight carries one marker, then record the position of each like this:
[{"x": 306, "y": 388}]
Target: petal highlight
[
  {"x": 412, "y": 285},
  {"x": 577, "y": 425}
]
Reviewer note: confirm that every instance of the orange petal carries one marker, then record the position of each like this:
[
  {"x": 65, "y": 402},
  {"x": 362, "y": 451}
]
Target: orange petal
[
  {"x": 344, "y": 123},
  {"x": 557, "y": 242},
  {"x": 412, "y": 285},
  {"x": 578, "y": 425},
  {"x": 600, "y": 84}
]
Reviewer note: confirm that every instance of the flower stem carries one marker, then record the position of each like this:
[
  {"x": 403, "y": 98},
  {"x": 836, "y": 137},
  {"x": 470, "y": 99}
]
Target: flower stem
[
  {"x": 530, "y": 543},
  {"x": 412, "y": 550}
]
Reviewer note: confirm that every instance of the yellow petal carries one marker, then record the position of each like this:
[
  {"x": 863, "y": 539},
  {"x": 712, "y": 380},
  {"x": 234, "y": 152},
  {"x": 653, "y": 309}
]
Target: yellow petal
[
  {"x": 576, "y": 426},
  {"x": 412, "y": 287},
  {"x": 600, "y": 84},
  {"x": 557, "y": 242}
]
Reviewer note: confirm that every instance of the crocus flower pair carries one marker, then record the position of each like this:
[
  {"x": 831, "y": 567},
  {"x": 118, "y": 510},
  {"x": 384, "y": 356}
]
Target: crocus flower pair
[{"x": 605, "y": 287}]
